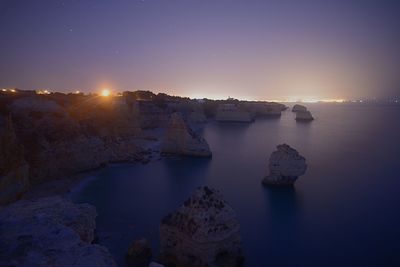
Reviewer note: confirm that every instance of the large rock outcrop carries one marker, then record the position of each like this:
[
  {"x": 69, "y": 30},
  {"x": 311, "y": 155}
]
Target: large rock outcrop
[
  {"x": 232, "y": 113},
  {"x": 50, "y": 232},
  {"x": 304, "y": 116},
  {"x": 285, "y": 166},
  {"x": 63, "y": 139},
  {"x": 297, "y": 108},
  {"x": 181, "y": 140},
  {"x": 14, "y": 170},
  {"x": 204, "y": 231}
]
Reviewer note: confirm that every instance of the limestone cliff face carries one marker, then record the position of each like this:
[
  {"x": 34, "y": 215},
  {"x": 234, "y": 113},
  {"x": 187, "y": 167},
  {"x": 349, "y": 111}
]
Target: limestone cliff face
[
  {"x": 14, "y": 170},
  {"x": 63, "y": 140},
  {"x": 204, "y": 231},
  {"x": 285, "y": 166},
  {"x": 181, "y": 140},
  {"x": 50, "y": 232},
  {"x": 231, "y": 113}
]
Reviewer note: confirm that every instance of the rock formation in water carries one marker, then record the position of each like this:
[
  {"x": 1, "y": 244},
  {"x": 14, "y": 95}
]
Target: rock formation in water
[
  {"x": 298, "y": 107},
  {"x": 14, "y": 170},
  {"x": 285, "y": 166},
  {"x": 181, "y": 140},
  {"x": 304, "y": 116},
  {"x": 139, "y": 252},
  {"x": 50, "y": 232},
  {"x": 232, "y": 113},
  {"x": 204, "y": 231}
]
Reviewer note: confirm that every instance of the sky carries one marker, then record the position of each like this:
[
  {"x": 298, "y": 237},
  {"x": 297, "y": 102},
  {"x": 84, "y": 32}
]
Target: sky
[{"x": 247, "y": 49}]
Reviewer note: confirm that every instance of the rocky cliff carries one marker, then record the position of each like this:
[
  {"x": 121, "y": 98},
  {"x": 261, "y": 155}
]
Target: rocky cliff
[
  {"x": 204, "y": 231},
  {"x": 14, "y": 170},
  {"x": 232, "y": 113},
  {"x": 50, "y": 232}
]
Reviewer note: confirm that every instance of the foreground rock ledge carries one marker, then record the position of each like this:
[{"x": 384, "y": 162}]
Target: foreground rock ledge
[
  {"x": 181, "y": 140},
  {"x": 50, "y": 232},
  {"x": 285, "y": 166},
  {"x": 204, "y": 231}
]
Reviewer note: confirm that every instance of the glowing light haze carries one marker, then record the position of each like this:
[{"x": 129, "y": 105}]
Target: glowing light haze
[{"x": 254, "y": 49}]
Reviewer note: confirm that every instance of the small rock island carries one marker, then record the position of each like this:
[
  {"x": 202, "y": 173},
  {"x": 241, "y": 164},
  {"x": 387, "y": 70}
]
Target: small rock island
[
  {"x": 285, "y": 166},
  {"x": 180, "y": 139},
  {"x": 302, "y": 113},
  {"x": 204, "y": 231}
]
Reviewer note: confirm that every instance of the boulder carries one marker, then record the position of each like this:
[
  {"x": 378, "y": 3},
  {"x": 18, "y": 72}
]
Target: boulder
[
  {"x": 285, "y": 166},
  {"x": 180, "y": 139},
  {"x": 204, "y": 231},
  {"x": 50, "y": 232},
  {"x": 139, "y": 252}
]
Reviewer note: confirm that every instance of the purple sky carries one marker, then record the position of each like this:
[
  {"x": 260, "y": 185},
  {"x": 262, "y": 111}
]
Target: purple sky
[{"x": 204, "y": 48}]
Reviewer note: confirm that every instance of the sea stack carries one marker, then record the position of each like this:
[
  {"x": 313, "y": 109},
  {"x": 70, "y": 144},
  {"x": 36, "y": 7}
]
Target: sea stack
[
  {"x": 285, "y": 166},
  {"x": 181, "y": 140},
  {"x": 204, "y": 231},
  {"x": 302, "y": 114},
  {"x": 297, "y": 108}
]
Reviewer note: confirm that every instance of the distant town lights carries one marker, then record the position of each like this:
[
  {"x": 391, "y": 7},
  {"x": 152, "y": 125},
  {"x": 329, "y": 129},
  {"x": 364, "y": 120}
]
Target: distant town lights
[
  {"x": 42, "y": 92},
  {"x": 105, "y": 92}
]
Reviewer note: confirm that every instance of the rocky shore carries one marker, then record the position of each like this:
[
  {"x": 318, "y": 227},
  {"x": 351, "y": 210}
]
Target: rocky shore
[
  {"x": 50, "y": 232},
  {"x": 46, "y": 141}
]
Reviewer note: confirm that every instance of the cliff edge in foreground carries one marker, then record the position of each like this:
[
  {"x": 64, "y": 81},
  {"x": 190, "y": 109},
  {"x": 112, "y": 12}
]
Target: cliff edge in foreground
[{"x": 50, "y": 232}]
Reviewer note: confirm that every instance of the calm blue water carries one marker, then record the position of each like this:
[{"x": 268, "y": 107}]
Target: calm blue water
[{"x": 345, "y": 211}]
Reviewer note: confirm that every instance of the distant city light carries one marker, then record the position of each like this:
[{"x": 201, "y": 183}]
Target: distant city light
[
  {"x": 105, "y": 92},
  {"x": 42, "y": 92},
  {"x": 9, "y": 90}
]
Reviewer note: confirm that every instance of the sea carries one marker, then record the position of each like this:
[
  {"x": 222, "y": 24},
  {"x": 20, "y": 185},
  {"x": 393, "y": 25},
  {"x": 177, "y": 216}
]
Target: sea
[{"x": 345, "y": 210}]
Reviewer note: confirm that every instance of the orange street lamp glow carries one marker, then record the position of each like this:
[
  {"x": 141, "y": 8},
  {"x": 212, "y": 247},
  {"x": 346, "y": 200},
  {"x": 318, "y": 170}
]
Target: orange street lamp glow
[{"x": 105, "y": 92}]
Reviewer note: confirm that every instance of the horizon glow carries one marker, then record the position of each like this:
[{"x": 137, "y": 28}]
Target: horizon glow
[{"x": 255, "y": 50}]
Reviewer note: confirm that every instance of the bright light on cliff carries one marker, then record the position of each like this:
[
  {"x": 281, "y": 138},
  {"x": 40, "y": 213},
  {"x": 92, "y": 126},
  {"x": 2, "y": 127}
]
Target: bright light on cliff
[{"x": 105, "y": 92}]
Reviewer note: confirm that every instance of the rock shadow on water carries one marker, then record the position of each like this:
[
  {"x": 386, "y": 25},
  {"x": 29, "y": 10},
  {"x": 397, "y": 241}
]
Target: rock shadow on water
[
  {"x": 284, "y": 202},
  {"x": 283, "y": 223}
]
